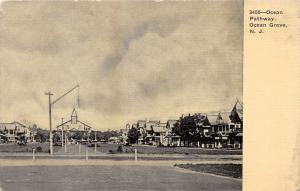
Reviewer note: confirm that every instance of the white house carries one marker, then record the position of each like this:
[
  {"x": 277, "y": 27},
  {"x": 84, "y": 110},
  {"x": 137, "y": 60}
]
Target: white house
[{"x": 10, "y": 132}]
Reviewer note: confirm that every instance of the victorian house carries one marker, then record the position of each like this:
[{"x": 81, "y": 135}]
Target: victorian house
[{"x": 12, "y": 132}]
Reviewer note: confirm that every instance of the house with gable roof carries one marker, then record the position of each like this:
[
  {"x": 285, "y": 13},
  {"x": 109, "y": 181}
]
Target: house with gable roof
[
  {"x": 236, "y": 126},
  {"x": 171, "y": 139},
  {"x": 141, "y": 127},
  {"x": 236, "y": 116},
  {"x": 11, "y": 132},
  {"x": 227, "y": 127},
  {"x": 159, "y": 133},
  {"x": 150, "y": 138},
  {"x": 74, "y": 125}
]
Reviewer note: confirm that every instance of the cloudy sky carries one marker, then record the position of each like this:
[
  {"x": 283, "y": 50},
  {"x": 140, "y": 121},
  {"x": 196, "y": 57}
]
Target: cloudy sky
[{"x": 132, "y": 60}]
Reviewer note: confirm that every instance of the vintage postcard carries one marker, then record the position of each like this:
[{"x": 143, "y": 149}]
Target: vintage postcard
[{"x": 149, "y": 95}]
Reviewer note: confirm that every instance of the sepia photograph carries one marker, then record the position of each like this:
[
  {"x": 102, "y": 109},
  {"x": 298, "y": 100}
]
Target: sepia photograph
[{"x": 121, "y": 95}]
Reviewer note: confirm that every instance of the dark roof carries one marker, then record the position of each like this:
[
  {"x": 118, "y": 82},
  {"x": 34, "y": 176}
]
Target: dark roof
[{"x": 237, "y": 112}]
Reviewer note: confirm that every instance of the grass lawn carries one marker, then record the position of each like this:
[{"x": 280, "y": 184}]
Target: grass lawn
[
  {"x": 230, "y": 170},
  {"x": 13, "y": 148},
  {"x": 144, "y": 149}
]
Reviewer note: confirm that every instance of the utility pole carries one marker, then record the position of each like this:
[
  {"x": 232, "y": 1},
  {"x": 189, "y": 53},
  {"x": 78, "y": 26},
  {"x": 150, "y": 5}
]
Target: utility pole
[
  {"x": 50, "y": 105},
  {"x": 95, "y": 141},
  {"x": 49, "y": 94},
  {"x": 62, "y": 132},
  {"x": 66, "y": 142}
]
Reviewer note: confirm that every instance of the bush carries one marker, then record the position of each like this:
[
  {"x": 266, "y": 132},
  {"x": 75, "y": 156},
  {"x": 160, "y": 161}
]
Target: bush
[
  {"x": 120, "y": 149},
  {"x": 111, "y": 151},
  {"x": 39, "y": 149}
]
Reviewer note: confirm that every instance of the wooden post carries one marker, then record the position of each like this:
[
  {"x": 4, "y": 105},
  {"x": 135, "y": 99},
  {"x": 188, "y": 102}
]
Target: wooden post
[
  {"x": 65, "y": 142},
  {"x": 86, "y": 154},
  {"x": 33, "y": 154},
  {"x": 135, "y": 154}
]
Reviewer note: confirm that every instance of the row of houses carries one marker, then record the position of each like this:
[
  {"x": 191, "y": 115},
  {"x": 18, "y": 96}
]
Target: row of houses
[
  {"x": 14, "y": 132},
  {"x": 221, "y": 129}
]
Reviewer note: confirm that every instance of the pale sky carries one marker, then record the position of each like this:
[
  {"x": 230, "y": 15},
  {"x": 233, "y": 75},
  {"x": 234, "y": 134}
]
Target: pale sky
[{"x": 132, "y": 60}]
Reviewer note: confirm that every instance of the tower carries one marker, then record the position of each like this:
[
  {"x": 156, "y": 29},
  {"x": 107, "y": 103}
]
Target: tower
[{"x": 74, "y": 117}]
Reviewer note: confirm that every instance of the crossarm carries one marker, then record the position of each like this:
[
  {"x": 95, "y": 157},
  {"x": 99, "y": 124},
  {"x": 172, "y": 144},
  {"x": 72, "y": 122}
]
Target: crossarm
[{"x": 77, "y": 86}]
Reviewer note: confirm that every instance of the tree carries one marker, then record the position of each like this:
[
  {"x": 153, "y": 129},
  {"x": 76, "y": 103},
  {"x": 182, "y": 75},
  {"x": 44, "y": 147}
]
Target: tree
[
  {"x": 56, "y": 138},
  {"x": 189, "y": 128},
  {"x": 21, "y": 140},
  {"x": 143, "y": 133},
  {"x": 98, "y": 135},
  {"x": 41, "y": 135},
  {"x": 133, "y": 135},
  {"x": 108, "y": 134},
  {"x": 76, "y": 135},
  {"x": 85, "y": 136}
]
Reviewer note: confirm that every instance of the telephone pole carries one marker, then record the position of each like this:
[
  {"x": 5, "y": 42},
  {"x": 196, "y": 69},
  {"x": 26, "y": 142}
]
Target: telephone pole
[
  {"x": 50, "y": 106},
  {"x": 62, "y": 132},
  {"x": 95, "y": 141},
  {"x": 49, "y": 94}
]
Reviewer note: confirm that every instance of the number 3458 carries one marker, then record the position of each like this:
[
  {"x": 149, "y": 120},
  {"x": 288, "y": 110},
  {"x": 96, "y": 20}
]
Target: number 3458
[{"x": 254, "y": 11}]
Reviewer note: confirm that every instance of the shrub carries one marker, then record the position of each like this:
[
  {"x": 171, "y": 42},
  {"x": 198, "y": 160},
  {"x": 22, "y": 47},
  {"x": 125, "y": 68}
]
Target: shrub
[
  {"x": 111, "y": 151},
  {"x": 120, "y": 149},
  {"x": 39, "y": 149}
]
